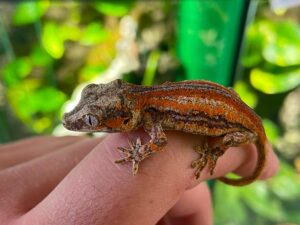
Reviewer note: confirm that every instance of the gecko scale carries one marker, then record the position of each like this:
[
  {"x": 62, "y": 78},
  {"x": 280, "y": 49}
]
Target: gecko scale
[{"x": 198, "y": 107}]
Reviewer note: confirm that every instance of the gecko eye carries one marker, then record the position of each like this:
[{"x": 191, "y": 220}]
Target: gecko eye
[{"x": 90, "y": 120}]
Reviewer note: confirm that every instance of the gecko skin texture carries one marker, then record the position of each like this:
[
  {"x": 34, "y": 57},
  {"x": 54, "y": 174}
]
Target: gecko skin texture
[{"x": 198, "y": 107}]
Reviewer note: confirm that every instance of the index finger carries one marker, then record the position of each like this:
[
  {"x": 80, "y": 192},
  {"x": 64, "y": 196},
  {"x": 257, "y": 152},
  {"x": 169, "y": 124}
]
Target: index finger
[
  {"x": 14, "y": 153},
  {"x": 98, "y": 190}
]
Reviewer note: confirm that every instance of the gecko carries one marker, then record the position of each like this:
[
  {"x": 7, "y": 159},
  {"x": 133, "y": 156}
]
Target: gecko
[{"x": 198, "y": 107}]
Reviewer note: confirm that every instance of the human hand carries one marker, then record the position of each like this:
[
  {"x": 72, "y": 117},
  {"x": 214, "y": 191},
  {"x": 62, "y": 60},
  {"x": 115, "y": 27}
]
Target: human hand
[{"x": 74, "y": 180}]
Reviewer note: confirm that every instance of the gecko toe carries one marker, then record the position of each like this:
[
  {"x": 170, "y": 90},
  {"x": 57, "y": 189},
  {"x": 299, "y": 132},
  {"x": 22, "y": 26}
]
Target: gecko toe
[
  {"x": 124, "y": 150},
  {"x": 135, "y": 154},
  {"x": 135, "y": 167},
  {"x": 206, "y": 158},
  {"x": 122, "y": 160}
]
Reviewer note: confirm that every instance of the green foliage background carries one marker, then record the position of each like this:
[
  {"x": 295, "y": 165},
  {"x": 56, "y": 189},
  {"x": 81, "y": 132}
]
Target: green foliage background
[{"x": 49, "y": 48}]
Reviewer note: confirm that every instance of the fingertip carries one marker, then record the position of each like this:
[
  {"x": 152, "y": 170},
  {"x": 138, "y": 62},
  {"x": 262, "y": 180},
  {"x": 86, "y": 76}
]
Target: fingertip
[
  {"x": 243, "y": 161},
  {"x": 272, "y": 164}
]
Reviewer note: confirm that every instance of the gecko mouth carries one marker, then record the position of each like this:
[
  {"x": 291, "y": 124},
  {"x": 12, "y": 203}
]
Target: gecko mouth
[
  {"x": 68, "y": 124},
  {"x": 77, "y": 126},
  {"x": 64, "y": 122}
]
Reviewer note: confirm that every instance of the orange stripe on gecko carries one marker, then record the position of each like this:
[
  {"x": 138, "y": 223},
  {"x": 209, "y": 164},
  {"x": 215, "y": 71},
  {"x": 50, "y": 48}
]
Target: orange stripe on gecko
[{"x": 114, "y": 122}]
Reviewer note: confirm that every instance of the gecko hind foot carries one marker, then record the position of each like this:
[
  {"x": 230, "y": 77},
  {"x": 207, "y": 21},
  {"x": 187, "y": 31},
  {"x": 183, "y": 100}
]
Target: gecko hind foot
[
  {"x": 206, "y": 157},
  {"x": 135, "y": 153},
  {"x": 199, "y": 165}
]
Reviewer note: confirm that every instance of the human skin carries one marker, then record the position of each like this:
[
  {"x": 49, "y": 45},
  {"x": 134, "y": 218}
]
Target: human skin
[{"x": 74, "y": 180}]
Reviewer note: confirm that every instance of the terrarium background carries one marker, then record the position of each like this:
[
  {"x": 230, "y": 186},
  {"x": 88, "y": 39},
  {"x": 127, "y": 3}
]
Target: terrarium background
[{"x": 49, "y": 48}]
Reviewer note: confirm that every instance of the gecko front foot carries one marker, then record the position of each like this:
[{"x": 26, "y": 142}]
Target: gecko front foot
[{"x": 135, "y": 153}]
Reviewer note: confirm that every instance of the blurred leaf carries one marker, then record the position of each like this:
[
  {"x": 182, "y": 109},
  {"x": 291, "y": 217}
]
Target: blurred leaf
[
  {"x": 271, "y": 83},
  {"x": 255, "y": 38},
  {"x": 41, "y": 124},
  {"x": 20, "y": 98},
  {"x": 113, "y": 8},
  {"x": 276, "y": 42},
  {"x": 282, "y": 53},
  {"x": 40, "y": 57},
  {"x": 16, "y": 70},
  {"x": 251, "y": 59},
  {"x": 280, "y": 45},
  {"x": 248, "y": 96},
  {"x": 29, "y": 11},
  {"x": 69, "y": 32},
  {"x": 151, "y": 68},
  {"x": 286, "y": 184},
  {"x": 228, "y": 207},
  {"x": 293, "y": 217},
  {"x": 258, "y": 198},
  {"x": 93, "y": 34},
  {"x": 287, "y": 29},
  {"x": 28, "y": 102},
  {"x": 271, "y": 129},
  {"x": 55, "y": 99},
  {"x": 52, "y": 40},
  {"x": 90, "y": 72},
  {"x": 262, "y": 32}
]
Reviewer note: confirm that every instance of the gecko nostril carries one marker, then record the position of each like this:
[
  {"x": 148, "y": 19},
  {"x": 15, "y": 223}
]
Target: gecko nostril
[
  {"x": 64, "y": 119},
  {"x": 64, "y": 123}
]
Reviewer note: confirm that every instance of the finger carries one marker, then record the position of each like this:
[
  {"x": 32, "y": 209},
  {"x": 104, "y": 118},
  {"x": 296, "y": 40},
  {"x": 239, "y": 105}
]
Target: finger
[
  {"x": 112, "y": 194},
  {"x": 21, "y": 151},
  {"x": 108, "y": 193},
  {"x": 246, "y": 158},
  {"x": 194, "y": 207},
  {"x": 103, "y": 192},
  {"x": 271, "y": 168},
  {"x": 37, "y": 140},
  {"x": 24, "y": 185}
]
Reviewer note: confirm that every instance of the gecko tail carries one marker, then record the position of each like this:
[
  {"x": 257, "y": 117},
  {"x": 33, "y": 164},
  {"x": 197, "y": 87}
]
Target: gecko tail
[{"x": 261, "y": 160}]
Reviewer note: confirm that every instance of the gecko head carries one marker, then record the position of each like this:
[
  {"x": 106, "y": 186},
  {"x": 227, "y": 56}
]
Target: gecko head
[{"x": 100, "y": 108}]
